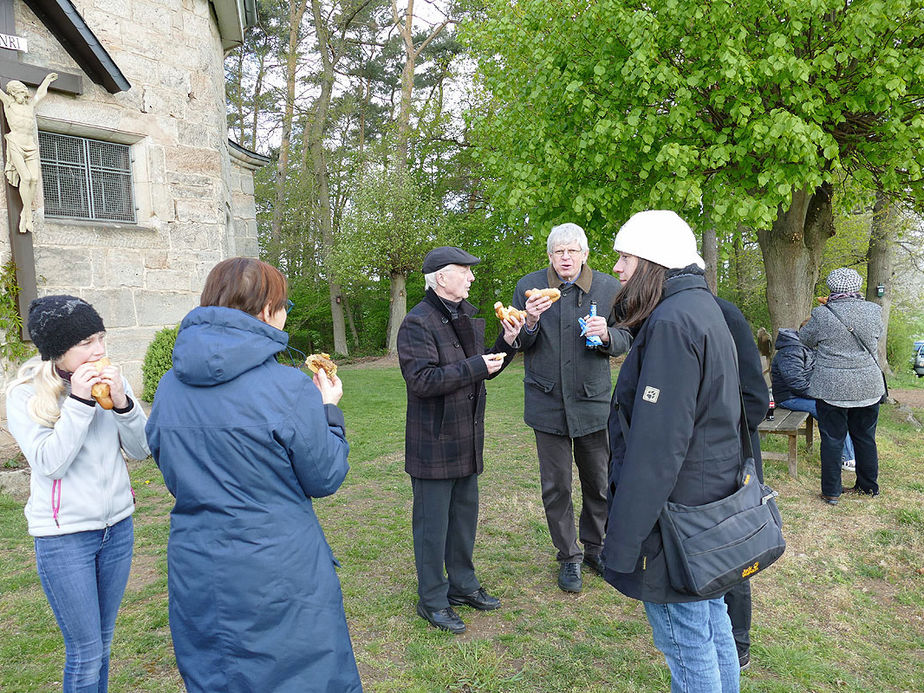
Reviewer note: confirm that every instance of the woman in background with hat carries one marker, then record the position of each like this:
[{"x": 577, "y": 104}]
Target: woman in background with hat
[
  {"x": 80, "y": 502},
  {"x": 847, "y": 382},
  {"x": 674, "y": 435}
]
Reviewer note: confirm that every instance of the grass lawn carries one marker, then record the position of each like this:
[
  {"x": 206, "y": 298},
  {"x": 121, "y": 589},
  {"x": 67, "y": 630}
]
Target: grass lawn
[{"x": 843, "y": 610}]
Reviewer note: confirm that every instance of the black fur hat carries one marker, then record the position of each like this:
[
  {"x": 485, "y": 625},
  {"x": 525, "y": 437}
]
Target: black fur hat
[{"x": 56, "y": 323}]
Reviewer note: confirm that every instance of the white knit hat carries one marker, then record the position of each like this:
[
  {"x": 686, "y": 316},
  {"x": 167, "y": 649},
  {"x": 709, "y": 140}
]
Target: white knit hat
[{"x": 659, "y": 236}]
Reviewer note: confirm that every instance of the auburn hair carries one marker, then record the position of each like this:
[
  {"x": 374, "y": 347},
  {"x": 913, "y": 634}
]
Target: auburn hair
[
  {"x": 246, "y": 284},
  {"x": 640, "y": 295}
]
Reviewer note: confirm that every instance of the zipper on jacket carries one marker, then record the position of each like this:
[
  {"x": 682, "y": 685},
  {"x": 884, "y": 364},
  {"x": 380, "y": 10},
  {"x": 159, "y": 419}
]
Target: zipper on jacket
[
  {"x": 56, "y": 500},
  {"x": 644, "y": 562}
]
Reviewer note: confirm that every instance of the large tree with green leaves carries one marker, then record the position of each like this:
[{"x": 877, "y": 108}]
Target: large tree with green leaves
[{"x": 738, "y": 115}]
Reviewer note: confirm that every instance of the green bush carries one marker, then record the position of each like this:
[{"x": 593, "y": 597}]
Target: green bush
[
  {"x": 904, "y": 328},
  {"x": 157, "y": 361}
]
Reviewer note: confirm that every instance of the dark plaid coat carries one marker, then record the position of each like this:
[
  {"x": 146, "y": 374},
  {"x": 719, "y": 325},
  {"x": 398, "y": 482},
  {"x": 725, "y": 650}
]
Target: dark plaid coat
[{"x": 442, "y": 366}]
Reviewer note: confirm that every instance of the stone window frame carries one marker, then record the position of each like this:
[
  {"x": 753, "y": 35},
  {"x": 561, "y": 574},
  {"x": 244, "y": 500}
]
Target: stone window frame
[{"x": 139, "y": 146}]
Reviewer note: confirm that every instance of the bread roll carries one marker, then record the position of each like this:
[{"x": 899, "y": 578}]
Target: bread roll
[
  {"x": 100, "y": 391},
  {"x": 321, "y": 362},
  {"x": 551, "y": 294},
  {"x": 503, "y": 313}
]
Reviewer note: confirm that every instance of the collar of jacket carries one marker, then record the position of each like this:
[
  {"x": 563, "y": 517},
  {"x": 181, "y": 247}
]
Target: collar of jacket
[
  {"x": 691, "y": 277},
  {"x": 582, "y": 282},
  {"x": 465, "y": 308}
]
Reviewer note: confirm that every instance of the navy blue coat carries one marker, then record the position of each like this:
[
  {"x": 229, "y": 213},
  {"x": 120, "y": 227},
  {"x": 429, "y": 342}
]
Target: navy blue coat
[
  {"x": 678, "y": 389},
  {"x": 244, "y": 444},
  {"x": 791, "y": 368}
]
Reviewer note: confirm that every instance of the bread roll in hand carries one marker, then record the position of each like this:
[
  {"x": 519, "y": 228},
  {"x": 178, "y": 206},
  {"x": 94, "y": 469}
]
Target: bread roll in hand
[
  {"x": 322, "y": 362},
  {"x": 100, "y": 391},
  {"x": 511, "y": 313},
  {"x": 552, "y": 294}
]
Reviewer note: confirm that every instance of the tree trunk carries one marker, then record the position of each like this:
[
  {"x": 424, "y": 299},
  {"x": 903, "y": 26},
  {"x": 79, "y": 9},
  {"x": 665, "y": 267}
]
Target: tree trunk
[
  {"x": 296, "y": 12},
  {"x": 792, "y": 250},
  {"x": 711, "y": 256},
  {"x": 348, "y": 310},
  {"x": 739, "y": 280},
  {"x": 398, "y": 302},
  {"x": 321, "y": 174},
  {"x": 879, "y": 265}
]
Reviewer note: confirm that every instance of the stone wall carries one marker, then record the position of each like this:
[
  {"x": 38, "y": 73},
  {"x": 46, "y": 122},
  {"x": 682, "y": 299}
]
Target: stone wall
[{"x": 194, "y": 202}]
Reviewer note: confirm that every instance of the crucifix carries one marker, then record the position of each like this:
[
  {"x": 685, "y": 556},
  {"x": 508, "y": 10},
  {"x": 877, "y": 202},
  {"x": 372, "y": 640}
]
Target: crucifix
[{"x": 13, "y": 69}]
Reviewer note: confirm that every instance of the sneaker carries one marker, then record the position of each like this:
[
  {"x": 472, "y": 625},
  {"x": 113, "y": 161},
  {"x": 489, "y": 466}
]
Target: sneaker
[
  {"x": 569, "y": 577},
  {"x": 849, "y": 465},
  {"x": 744, "y": 660}
]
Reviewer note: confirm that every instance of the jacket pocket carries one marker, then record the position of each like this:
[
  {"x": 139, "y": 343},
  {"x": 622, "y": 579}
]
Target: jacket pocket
[
  {"x": 540, "y": 383},
  {"x": 596, "y": 389}
]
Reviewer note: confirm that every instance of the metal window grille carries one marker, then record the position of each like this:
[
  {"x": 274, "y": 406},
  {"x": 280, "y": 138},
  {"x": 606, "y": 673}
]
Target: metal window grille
[{"x": 86, "y": 179}]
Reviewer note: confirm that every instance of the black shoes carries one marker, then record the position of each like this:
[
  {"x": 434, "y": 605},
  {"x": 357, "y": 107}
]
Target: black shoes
[
  {"x": 862, "y": 491},
  {"x": 569, "y": 577},
  {"x": 479, "y": 599},
  {"x": 444, "y": 619},
  {"x": 595, "y": 563},
  {"x": 830, "y": 500},
  {"x": 744, "y": 660}
]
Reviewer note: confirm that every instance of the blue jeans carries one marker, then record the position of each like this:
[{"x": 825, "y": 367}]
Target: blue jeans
[
  {"x": 696, "y": 639},
  {"x": 84, "y": 576},
  {"x": 834, "y": 423},
  {"x": 809, "y": 405}
]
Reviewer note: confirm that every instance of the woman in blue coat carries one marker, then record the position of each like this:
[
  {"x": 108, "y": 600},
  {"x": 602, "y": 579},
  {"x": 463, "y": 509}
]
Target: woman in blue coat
[
  {"x": 674, "y": 435},
  {"x": 244, "y": 444}
]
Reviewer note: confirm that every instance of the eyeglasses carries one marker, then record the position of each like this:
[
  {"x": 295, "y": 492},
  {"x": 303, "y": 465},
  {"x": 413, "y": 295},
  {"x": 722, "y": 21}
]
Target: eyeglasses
[
  {"x": 289, "y": 305},
  {"x": 571, "y": 252}
]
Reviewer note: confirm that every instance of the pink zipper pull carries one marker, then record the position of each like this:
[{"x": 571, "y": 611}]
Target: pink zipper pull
[{"x": 56, "y": 500}]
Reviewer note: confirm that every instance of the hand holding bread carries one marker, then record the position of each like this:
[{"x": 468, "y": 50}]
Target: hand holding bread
[
  {"x": 321, "y": 362},
  {"x": 325, "y": 378},
  {"x": 101, "y": 392},
  {"x": 508, "y": 313},
  {"x": 551, "y": 294}
]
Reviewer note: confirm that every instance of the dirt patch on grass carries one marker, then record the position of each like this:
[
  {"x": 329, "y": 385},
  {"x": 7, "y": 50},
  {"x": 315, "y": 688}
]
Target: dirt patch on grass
[{"x": 910, "y": 398}]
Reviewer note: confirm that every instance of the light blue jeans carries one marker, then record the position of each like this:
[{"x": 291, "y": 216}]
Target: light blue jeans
[
  {"x": 84, "y": 576},
  {"x": 696, "y": 639},
  {"x": 809, "y": 405}
]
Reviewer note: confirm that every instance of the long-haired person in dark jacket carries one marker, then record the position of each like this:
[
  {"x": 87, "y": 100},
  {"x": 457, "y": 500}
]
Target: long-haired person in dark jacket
[
  {"x": 678, "y": 393},
  {"x": 846, "y": 381}
]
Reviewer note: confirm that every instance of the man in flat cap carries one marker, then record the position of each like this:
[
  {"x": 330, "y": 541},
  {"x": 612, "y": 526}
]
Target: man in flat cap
[{"x": 444, "y": 363}]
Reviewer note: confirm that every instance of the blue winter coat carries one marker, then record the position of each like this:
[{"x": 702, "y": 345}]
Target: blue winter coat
[
  {"x": 791, "y": 369},
  {"x": 244, "y": 444}
]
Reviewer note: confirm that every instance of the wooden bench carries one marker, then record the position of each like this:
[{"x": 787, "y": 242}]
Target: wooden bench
[{"x": 789, "y": 423}]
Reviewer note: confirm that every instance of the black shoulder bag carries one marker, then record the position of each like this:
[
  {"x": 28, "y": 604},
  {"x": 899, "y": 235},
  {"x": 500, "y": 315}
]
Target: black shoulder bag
[
  {"x": 885, "y": 394},
  {"x": 711, "y": 548}
]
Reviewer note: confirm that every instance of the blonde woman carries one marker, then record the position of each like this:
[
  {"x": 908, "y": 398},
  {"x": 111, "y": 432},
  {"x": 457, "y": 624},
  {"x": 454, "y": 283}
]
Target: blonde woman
[{"x": 80, "y": 502}]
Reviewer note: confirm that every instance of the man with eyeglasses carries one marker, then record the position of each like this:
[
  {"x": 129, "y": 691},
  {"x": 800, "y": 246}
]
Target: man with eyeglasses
[{"x": 567, "y": 394}]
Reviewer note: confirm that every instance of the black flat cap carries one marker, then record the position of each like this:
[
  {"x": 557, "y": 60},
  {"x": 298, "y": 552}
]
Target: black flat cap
[{"x": 438, "y": 258}]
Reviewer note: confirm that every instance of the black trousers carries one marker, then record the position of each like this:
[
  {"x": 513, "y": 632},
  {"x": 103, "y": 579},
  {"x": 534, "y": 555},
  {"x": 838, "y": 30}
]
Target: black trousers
[
  {"x": 833, "y": 424},
  {"x": 738, "y": 601},
  {"x": 591, "y": 455},
  {"x": 444, "y": 521}
]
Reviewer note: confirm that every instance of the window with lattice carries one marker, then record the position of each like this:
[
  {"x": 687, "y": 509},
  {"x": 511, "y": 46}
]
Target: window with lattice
[{"x": 84, "y": 178}]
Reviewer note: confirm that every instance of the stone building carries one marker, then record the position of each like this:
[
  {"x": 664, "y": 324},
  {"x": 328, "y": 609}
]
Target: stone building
[{"x": 142, "y": 192}]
